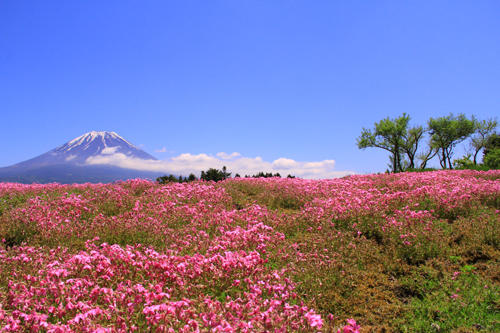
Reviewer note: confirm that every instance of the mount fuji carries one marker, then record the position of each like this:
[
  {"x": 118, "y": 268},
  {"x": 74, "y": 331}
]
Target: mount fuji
[{"x": 68, "y": 163}]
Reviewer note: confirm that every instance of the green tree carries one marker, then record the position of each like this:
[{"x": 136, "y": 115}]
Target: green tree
[
  {"x": 262, "y": 174},
  {"x": 426, "y": 156},
  {"x": 167, "y": 179},
  {"x": 491, "y": 152},
  {"x": 215, "y": 174},
  {"x": 484, "y": 129},
  {"x": 388, "y": 134},
  {"x": 464, "y": 163},
  {"x": 411, "y": 141},
  {"x": 446, "y": 133}
]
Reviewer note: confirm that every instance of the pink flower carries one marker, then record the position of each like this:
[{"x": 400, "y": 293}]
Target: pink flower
[
  {"x": 314, "y": 319},
  {"x": 351, "y": 327}
]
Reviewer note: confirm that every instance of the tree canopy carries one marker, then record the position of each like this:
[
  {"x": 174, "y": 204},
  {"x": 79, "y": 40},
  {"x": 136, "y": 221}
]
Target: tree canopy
[
  {"x": 215, "y": 174},
  {"x": 447, "y": 132},
  {"x": 389, "y": 135},
  {"x": 484, "y": 129},
  {"x": 491, "y": 153},
  {"x": 404, "y": 143}
]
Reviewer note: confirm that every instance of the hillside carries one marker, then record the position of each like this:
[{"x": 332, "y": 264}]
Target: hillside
[{"x": 409, "y": 252}]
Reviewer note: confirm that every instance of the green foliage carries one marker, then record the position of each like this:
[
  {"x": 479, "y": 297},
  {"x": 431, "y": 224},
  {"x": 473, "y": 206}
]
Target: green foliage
[
  {"x": 479, "y": 140},
  {"x": 492, "y": 142},
  {"x": 491, "y": 157},
  {"x": 167, "y": 179},
  {"x": 125, "y": 237},
  {"x": 447, "y": 132},
  {"x": 411, "y": 142},
  {"x": 389, "y": 135},
  {"x": 492, "y": 160},
  {"x": 10, "y": 201},
  {"x": 464, "y": 163},
  {"x": 420, "y": 281},
  {"x": 286, "y": 201},
  {"x": 422, "y": 170},
  {"x": 263, "y": 174},
  {"x": 18, "y": 233},
  {"x": 418, "y": 253},
  {"x": 404, "y": 143},
  {"x": 215, "y": 174},
  {"x": 174, "y": 179},
  {"x": 464, "y": 304}
]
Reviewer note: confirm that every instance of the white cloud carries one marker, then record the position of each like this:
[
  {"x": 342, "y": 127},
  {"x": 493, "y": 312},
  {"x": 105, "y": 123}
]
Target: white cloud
[
  {"x": 226, "y": 156},
  {"x": 284, "y": 164},
  {"x": 185, "y": 164},
  {"x": 70, "y": 157},
  {"x": 109, "y": 150}
]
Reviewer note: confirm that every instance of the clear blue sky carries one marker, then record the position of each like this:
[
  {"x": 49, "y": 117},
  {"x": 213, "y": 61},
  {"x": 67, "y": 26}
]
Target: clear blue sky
[{"x": 294, "y": 79}]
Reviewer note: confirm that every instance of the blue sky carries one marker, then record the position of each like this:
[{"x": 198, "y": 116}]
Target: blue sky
[{"x": 274, "y": 79}]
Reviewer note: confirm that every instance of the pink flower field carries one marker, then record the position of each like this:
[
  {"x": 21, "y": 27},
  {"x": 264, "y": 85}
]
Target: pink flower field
[{"x": 400, "y": 252}]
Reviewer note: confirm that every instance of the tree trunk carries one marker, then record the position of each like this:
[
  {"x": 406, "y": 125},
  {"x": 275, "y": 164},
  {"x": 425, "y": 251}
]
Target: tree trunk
[
  {"x": 411, "y": 157},
  {"x": 394, "y": 162},
  {"x": 442, "y": 159},
  {"x": 475, "y": 156},
  {"x": 397, "y": 163},
  {"x": 423, "y": 164},
  {"x": 448, "y": 156}
]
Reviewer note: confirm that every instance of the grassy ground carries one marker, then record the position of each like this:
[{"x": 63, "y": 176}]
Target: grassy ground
[{"x": 402, "y": 253}]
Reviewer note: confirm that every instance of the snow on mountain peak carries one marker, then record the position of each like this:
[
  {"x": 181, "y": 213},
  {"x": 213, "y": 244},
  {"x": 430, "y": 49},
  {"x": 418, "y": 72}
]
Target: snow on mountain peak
[{"x": 90, "y": 137}]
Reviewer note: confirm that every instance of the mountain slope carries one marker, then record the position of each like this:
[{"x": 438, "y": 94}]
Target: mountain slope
[
  {"x": 67, "y": 163},
  {"x": 78, "y": 150}
]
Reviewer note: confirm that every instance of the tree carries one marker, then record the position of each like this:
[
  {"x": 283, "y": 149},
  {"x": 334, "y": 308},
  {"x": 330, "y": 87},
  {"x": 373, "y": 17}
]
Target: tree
[
  {"x": 215, "y": 174},
  {"x": 411, "y": 140},
  {"x": 167, "y": 179},
  {"x": 484, "y": 129},
  {"x": 426, "y": 156},
  {"x": 262, "y": 174},
  {"x": 173, "y": 179},
  {"x": 446, "y": 133},
  {"x": 388, "y": 134},
  {"x": 491, "y": 152},
  {"x": 464, "y": 163}
]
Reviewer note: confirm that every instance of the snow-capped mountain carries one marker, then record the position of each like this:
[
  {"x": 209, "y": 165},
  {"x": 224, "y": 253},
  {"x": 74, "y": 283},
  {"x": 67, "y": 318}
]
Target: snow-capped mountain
[
  {"x": 91, "y": 144},
  {"x": 69, "y": 162}
]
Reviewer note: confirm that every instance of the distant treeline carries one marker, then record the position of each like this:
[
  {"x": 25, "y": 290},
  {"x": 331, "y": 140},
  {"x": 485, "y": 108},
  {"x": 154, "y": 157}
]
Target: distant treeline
[
  {"x": 408, "y": 151},
  {"x": 265, "y": 175},
  {"x": 213, "y": 174}
]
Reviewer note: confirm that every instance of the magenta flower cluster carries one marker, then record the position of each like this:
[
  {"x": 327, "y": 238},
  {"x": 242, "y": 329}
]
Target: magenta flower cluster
[{"x": 214, "y": 271}]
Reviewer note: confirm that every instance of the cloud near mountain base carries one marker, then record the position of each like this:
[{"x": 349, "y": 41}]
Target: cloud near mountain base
[{"x": 184, "y": 164}]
